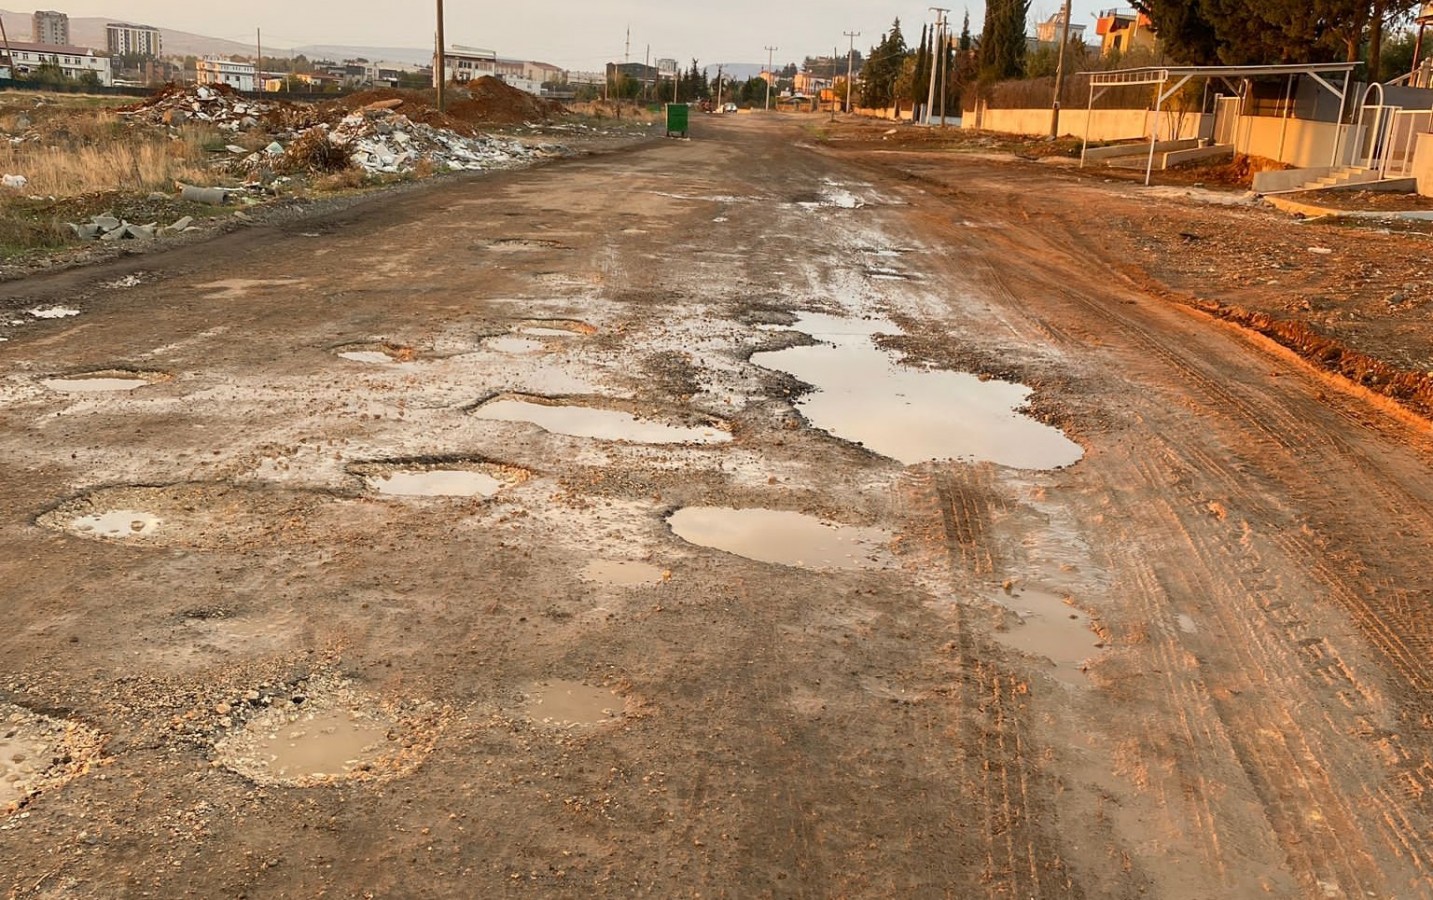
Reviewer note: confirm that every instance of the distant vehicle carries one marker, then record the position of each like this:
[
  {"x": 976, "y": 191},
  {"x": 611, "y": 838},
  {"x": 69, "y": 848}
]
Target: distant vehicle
[{"x": 730, "y": 107}]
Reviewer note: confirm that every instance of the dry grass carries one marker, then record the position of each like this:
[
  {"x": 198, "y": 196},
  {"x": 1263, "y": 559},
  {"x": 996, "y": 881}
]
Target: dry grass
[{"x": 90, "y": 152}]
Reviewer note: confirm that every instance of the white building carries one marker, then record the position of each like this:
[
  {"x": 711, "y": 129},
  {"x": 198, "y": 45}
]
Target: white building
[
  {"x": 126, "y": 40},
  {"x": 466, "y": 64},
  {"x": 50, "y": 27},
  {"x": 237, "y": 75},
  {"x": 75, "y": 62},
  {"x": 586, "y": 77}
]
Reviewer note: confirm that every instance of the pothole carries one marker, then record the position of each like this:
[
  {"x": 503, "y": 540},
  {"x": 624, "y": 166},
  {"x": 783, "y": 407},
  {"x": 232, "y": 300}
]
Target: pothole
[
  {"x": 577, "y": 420},
  {"x": 201, "y": 515},
  {"x": 782, "y": 537},
  {"x": 1050, "y": 628},
  {"x": 448, "y": 478},
  {"x": 556, "y": 328},
  {"x": 863, "y": 394},
  {"x": 238, "y": 288},
  {"x": 885, "y": 273},
  {"x": 378, "y": 354},
  {"x": 327, "y": 733},
  {"x": 623, "y": 573},
  {"x": 38, "y": 754},
  {"x": 513, "y": 344},
  {"x": 107, "y": 380},
  {"x": 568, "y": 704},
  {"x": 523, "y": 245}
]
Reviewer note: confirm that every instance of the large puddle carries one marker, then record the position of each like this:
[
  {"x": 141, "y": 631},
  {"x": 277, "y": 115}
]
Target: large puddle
[
  {"x": 1050, "y": 628},
  {"x": 594, "y": 422},
  {"x": 116, "y": 524},
  {"x": 569, "y": 703},
  {"x": 910, "y": 415},
  {"x": 319, "y": 746},
  {"x": 102, "y": 382},
  {"x": 623, "y": 573},
  {"x": 437, "y": 483},
  {"x": 781, "y": 537}
]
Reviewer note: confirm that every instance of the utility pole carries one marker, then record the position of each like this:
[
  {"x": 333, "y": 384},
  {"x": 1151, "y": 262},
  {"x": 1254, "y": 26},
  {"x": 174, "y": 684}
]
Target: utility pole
[
  {"x": 11, "y": 57},
  {"x": 944, "y": 73},
  {"x": 1060, "y": 73},
  {"x": 935, "y": 69},
  {"x": 259, "y": 63},
  {"x": 850, "y": 66},
  {"x": 719, "y": 103},
  {"x": 440, "y": 62},
  {"x": 834, "y": 101},
  {"x": 770, "y": 75}
]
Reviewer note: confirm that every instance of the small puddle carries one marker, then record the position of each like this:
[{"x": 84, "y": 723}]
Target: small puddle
[
  {"x": 538, "y": 331},
  {"x": 437, "y": 483},
  {"x": 39, "y": 754},
  {"x": 513, "y": 344},
  {"x": 378, "y": 354},
  {"x": 1050, "y": 628},
  {"x": 329, "y": 744},
  {"x": 22, "y": 761},
  {"x": 569, "y": 703},
  {"x": 623, "y": 573},
  {"x": 911, "y": 415},
  {"x": 781, "y": 537},
  {"x": 94, "y": 385},
  {"x": 601, "y": 424},
  {"x": 119, "y": 523}
]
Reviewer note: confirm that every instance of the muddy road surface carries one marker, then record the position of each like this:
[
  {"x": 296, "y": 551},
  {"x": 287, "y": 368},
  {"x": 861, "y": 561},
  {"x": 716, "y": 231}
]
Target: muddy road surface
[{"x": 734, "y": 517}]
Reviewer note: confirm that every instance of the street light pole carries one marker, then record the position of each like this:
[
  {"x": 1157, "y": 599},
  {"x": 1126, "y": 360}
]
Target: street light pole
[
  {"x": 1060, "y": 74},
  {"x": 770, "y": 76},
  {"x": 850, "y": 66},
  {"x": 440, "y": 65}
]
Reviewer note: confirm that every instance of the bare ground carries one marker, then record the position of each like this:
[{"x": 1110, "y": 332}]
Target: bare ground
[{"x": 1246, "y": 534}]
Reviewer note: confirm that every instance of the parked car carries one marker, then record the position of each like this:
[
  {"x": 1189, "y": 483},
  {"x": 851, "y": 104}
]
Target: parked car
[{"x": 730, "y": 107}]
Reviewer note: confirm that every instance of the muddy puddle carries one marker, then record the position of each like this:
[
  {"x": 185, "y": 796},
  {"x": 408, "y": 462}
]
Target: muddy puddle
[
  {"x": 459, "y": 478},
  {"x": 1051, "y": 629},
  {"x": 513, "y": 344},
  {"x": 116, "y": 524},
  {"x": 623, "y": 573},
  {"x": 566, "y": 704},
  {"x": 103, "y": 382},
  {"x": 782, "y": 537},
  {"x": 595, "y": 422},
  {"x": 38, "y": 753},
  {"x": 864, "y": 395},
  {"x": 324, "y": 733}
]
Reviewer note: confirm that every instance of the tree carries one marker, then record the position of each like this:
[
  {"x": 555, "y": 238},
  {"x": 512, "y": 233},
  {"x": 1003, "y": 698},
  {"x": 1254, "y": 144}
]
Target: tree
[
  {"x": 879, "y": 76},
  {"x": 1002, "y": 43},
  {"x": 920, "y": 78}
]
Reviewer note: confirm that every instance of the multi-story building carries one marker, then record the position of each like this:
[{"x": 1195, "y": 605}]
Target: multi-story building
[
  {"x": 75, "y": 62},
  {"x": 133, "y": 40},
  {"x": 238, "y": 75},
  {"x": 1049, "y": 31},
  {"x": 543, "y": 73},
  {"x": 576, "y": 77},
  {"x": 466, "y": 64},
  {"x": 50, "y": 27},
  {"x": 1121, "y": 31}
]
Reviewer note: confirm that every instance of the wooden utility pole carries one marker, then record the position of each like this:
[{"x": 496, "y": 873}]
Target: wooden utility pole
[
  {"x": 440, "y": 60},
  {"x": 8, "y": 55},
  {"x": 1060, "y": 74},
  {"x": 935, "y": 68},
  {"x": 259, "y": 63},
  {"x": 850, "y": 66}
]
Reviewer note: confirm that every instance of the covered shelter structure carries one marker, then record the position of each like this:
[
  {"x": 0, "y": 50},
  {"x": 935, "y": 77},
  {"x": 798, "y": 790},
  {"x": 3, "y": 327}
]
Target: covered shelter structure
[{"x": 1166, "y": 81}]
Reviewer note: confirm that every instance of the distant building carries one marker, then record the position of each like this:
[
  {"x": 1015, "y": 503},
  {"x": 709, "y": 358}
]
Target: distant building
[
  {"x": 238, "y": 75},
  {"x": 811, "y": 83},
  {"x": 133, "y": 40},
  {"x": 1049, "y": 31},
  {"x": 462, "y": 64},
  {"x": 576, "y": 77},
  {"x": 1121, "y": 31},
  {"x": 543, "y": 73},
  {"x": 50, "y": 27},
  {"x": 75, "y": 62},
  {"x": 639, "y": 72}
]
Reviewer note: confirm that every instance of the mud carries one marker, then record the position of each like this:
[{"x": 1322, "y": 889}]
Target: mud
[
  {"x": 1051, "y": 628},
  {"x": 566, "y": 704},
  {"x": 595, "y": 422},
  {"x": 109, "y": 381},
  {"x": 40, "y": 755},
  {"x": 782, "y": 537},
  {"x": 623, "y": 573}
]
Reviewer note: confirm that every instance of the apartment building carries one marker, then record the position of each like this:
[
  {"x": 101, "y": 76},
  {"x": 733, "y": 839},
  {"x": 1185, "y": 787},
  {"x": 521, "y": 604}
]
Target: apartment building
[
  {"x": 240, "y": 76},
  {"x": 133, "y": 40},
  {"x": 50, "y": 27}
]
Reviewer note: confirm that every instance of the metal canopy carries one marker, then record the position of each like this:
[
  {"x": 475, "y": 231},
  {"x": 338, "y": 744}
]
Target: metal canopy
[{"x": 1100, "y": 82}]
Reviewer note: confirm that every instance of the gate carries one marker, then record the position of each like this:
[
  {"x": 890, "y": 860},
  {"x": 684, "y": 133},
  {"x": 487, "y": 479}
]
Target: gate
[
  {"x": 1401, "y": 141},
  {"x": 1226, "y": 120}
]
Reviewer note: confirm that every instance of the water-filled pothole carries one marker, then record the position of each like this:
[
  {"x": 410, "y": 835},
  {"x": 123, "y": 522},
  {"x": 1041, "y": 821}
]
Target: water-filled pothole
[
  {"x": 782, "y": 537},
  {"x": 444, "y": 478},
  {"x": 1050, "y": 628},
  {"x": 333, "y": 734},
  {"x": 596, "y": 422},
  {"x": 109, "y": 380},
  {"x": 384, "y": 354},
  {"x": 38, "y": 753},
  {"x": 513, "y": 344},
  {"x": 571, "y": 703},
  {"x": 864, "y": 395},
  {"x": 623, "y": 573},
  {"x": 117, "y": 524}
]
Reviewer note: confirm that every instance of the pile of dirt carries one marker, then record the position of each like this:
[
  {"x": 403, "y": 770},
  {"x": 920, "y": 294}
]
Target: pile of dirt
[
  {"x": 221, "y": 105},
  {"x": 493, "y": 102}
]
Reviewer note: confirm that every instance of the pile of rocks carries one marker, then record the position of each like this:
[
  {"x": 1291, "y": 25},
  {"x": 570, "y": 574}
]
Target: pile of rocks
[
  {"x": 218, "y": 106},
  {"x": 109, "y": 228}
]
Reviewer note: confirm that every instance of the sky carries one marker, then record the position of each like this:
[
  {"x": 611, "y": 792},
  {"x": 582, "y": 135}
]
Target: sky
[{"x": 574, "y": 34}]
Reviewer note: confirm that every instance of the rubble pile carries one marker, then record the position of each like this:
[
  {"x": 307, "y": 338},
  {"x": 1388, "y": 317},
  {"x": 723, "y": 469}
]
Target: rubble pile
[
  {"x": 216, "y": 105},
  {"x": 109, "y": 228}
]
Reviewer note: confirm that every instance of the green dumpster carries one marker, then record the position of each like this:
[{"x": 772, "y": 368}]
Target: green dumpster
[{"x": 676, "y": 119}]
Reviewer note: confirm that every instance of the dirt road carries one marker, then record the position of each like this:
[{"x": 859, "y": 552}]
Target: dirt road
[{"x": 382, "y": 555}]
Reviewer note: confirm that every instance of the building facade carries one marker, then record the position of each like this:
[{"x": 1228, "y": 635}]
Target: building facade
[
  {"x": 466, "y": 64},
  {"x": 133, "y": 40},
  {"x": 50, "y": 27},
  {"x": 1121, "y": 31},
  {"x": 238, "y": 75},
  {"x": 1049, "y": 31},
  {"x": 75, "y": 62}
]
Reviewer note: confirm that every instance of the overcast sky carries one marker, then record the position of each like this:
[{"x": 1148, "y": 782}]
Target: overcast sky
[{"x": 575, "y": 34}]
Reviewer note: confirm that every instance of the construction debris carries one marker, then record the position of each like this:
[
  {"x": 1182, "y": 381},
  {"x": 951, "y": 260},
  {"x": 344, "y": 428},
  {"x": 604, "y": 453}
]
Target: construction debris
[
  {"x": 15, "y": 182},
  {"x": 109, "y": 228}
]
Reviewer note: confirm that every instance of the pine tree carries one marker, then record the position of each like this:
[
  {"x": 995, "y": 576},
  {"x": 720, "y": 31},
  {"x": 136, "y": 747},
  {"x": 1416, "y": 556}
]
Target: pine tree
[
  {"x": 920, "y": 83},
  {"x": 1002, "y": 44}
]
